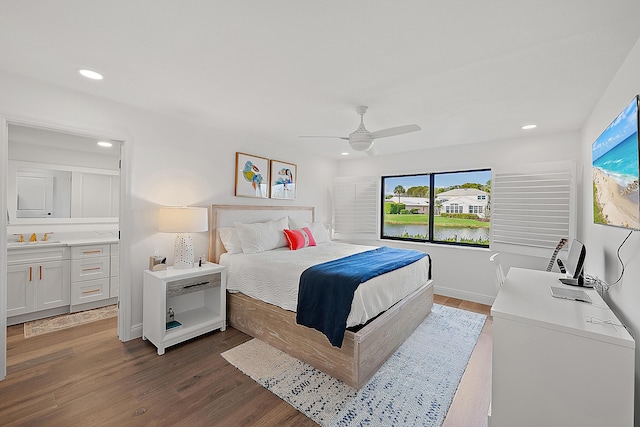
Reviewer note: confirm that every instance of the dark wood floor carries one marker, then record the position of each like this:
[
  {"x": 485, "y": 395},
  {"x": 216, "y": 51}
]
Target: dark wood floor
[{"x": 85, "y": 376}]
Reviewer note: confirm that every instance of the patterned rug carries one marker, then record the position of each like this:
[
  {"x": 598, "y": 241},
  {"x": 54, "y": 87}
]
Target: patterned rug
[
  {"x": 64, "y": 321},
  {"x": 415, "y": 386}
]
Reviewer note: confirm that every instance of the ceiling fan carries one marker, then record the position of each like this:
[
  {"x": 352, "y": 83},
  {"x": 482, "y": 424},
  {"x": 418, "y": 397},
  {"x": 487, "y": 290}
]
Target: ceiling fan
[{"x": 362, "y": 140}]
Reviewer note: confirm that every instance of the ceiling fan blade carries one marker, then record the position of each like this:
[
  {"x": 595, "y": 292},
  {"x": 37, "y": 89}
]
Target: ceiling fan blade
[
  {"x": 324, "y": 136},
  {"x": 383, "y": 133}
]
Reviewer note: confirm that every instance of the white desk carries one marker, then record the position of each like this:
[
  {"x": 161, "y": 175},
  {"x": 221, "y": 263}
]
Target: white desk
[{"x": 550, "y": 366}]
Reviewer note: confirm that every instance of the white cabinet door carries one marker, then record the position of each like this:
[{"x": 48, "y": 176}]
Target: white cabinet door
[
  {"x": 52, "y": 288},
  {"x": 35, "y": 195},
  {"x": 39, "y": 286},
  {"x": 95, "y": 195},
  {"x": 20, "y": 296}
]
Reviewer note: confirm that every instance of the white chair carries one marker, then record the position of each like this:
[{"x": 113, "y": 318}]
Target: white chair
[{"x": 499, "y": 272}]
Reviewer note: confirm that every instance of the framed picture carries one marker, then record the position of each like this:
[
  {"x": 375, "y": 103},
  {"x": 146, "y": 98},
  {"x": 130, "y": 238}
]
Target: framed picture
[
  {"x": 252, "y": 176},
  {"x": 283, "y": 180}
]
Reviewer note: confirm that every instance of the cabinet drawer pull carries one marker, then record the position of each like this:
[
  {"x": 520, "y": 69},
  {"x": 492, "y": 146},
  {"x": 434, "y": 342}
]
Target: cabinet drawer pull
[
  {"x": 195, "y": 284},
  {"x": 40, "y": 272},
  {"x": 91, "y": 291},
  {"x": 92, "y": 268},
  {"x": 95, "y": 251},
  {"x": 31, "y": 274}
]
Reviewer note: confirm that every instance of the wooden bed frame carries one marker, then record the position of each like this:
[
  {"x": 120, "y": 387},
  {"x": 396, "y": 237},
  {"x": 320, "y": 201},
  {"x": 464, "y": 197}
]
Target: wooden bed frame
[{"x": 362, "y": 352}]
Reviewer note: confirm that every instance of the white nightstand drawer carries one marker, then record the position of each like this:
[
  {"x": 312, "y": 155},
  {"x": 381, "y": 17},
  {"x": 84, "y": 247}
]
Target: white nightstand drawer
[
  {"x": 195, "y": 284},
  {"x": 90, "y": 290},
  {"x": 89, "y": 269},
  {"x": 89, "y": 251}
]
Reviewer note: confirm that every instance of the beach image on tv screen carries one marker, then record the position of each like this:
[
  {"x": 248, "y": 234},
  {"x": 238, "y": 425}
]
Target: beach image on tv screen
[{"x": 615, "y": 172}]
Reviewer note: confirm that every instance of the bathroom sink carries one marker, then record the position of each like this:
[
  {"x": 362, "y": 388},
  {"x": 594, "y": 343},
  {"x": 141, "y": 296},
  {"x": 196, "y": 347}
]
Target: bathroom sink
[{"x": 32, "y": 244}]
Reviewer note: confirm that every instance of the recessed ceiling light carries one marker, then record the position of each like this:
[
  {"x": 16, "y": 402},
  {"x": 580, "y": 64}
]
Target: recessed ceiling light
[
  {"x": 105, "y": 144},
  {"x": 527, "y": 127},
  {"x": 344, "y": 154},
  {"x": 90, "y": 74}
]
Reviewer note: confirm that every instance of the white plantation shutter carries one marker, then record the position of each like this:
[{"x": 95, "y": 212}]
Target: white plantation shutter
[
  {"x": 355, "y": 207},
  {"x": 533, "y": 207}
]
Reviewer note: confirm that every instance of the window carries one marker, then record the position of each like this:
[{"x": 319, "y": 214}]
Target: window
[
  {"x": 451, "y": 207},
  {"x": 476, "y": 209},
  {"x": 454, "y": 208}
]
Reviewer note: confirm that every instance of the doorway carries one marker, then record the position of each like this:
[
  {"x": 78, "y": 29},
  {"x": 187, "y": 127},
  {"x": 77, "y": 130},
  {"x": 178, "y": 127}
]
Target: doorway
[{"x": 75, "y": 150}]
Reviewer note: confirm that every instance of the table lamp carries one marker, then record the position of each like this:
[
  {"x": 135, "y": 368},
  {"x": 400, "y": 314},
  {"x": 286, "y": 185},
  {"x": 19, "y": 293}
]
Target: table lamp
[{"x": 183, "y": 220}]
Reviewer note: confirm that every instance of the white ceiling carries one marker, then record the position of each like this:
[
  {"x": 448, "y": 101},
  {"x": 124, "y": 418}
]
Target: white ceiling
[{"x": 465, "y": 71}]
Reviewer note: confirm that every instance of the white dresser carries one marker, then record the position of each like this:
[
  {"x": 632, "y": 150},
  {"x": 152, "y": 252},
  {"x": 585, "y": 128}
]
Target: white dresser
[{"x": 555, "y": 363}]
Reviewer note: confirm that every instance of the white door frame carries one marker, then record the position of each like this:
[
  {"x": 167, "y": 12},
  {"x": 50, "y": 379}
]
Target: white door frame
[{"x": 125, "y": 223}]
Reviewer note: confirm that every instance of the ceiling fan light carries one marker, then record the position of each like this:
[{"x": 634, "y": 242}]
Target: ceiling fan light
[
  {"x": 360, "y": 141},
  {"x": 360, "y": 145}
]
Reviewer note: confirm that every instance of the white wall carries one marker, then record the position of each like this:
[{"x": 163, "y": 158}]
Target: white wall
[
  {"x": 466, "y": 272},
  {"x": 174, "y": 162},
  {"x": 602, "y": 242}
]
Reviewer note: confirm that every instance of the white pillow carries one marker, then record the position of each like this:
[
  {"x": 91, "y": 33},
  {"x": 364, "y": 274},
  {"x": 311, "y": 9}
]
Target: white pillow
[
  {"x": 230, "y": 240},
  {"x": 319, "y": 231},
  {"x": 262, "y": 236}
]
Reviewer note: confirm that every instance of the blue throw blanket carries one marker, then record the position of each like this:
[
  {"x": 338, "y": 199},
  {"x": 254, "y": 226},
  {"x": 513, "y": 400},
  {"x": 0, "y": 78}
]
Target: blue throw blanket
[{"x": 326, "y": 290}]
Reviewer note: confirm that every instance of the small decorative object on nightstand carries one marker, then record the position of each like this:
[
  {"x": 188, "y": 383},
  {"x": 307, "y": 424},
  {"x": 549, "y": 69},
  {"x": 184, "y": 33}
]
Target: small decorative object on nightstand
[{"x": 180, "y": 304}]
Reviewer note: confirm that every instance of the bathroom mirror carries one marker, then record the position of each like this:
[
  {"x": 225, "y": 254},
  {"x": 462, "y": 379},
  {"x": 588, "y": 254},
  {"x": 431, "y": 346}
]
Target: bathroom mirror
[{"x": 60, "y": 177}]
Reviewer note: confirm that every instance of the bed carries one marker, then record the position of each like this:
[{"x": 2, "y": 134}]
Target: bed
[{"x": 372, "y": 337}]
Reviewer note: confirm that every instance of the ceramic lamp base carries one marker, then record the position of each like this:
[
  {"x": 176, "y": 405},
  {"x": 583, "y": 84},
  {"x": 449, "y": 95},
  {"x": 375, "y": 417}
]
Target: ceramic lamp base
[{"x": 183, "y": 251}]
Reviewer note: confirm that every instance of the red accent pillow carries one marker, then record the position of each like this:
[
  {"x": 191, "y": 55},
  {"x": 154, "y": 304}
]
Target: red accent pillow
[{"x": 301, "y": 238}]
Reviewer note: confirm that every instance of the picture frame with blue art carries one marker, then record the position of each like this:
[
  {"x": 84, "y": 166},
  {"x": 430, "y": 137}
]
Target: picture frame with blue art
[
  {"x": 252, "y": 176},
  {"x": 283, "y": 180}
]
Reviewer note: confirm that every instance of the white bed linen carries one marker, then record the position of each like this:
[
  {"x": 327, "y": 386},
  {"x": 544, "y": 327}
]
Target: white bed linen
[{"x": 273, "y": 277}]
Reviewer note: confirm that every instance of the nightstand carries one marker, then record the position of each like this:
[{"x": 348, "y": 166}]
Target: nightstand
[{"x": 196, "y": 298}]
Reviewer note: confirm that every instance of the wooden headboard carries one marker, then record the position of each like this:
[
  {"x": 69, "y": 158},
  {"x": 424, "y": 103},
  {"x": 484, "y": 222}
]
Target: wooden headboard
[{"x": 226, "y": 215}]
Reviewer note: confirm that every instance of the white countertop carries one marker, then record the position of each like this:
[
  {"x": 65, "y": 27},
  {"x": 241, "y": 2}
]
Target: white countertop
[
  {"x": 91, "y": 241},
  {"x": 66, "y": 239}
]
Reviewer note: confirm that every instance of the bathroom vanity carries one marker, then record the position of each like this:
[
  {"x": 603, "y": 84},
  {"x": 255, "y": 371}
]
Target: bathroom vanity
[{"x": 45, "y": 279}]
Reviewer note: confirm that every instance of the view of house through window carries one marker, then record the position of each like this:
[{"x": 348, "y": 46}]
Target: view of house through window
[{"x": 451, "y": 207}]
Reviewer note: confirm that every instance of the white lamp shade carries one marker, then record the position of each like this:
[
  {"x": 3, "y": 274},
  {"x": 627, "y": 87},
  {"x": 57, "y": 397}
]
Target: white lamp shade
[{"x": 183, "y": 220}]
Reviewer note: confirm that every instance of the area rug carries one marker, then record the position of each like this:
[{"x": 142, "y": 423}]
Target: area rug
[
  {"x": 415, "y": 386},
  {"x": 64, "y": 321}
]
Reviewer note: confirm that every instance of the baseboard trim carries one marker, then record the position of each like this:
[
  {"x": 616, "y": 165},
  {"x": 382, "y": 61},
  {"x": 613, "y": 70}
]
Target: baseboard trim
[
  {"x": 136, "y": 331},
  {"x": 464, "y": 295}
]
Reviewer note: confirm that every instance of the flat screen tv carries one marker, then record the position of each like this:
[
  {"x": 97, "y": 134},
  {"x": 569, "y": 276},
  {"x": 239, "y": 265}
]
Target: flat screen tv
[{"x": 615, "y": 171}]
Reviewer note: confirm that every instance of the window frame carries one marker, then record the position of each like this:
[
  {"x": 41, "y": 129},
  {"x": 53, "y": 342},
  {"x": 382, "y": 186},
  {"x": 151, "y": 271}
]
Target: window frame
[{"x": 432, "y": 199}]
